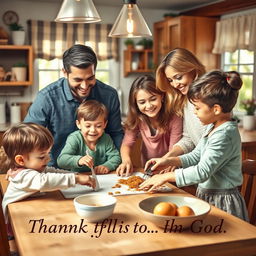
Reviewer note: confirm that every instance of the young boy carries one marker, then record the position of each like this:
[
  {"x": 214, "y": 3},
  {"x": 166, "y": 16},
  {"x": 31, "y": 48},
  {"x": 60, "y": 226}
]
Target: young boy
[
  {"x": 90, "y": 146},
  {"x": 27, "y": 148}
]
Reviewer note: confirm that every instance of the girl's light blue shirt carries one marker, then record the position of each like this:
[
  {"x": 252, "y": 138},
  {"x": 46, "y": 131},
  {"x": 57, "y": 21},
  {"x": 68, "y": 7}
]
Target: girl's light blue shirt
[{"x": 215, "y": 163}]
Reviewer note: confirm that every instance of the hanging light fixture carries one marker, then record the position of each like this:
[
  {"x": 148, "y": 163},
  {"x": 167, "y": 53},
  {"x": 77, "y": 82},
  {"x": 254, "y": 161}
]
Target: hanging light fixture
[
  {"x": 78, "y": 11},
  {"x": 130, "y": 22}
]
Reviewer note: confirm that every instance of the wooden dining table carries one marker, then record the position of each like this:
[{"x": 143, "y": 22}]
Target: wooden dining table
[{"x": 48, "y": 225}]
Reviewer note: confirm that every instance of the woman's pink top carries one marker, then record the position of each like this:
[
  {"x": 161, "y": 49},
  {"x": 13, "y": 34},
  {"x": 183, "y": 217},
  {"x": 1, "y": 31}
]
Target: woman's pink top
[{"x": 157, "y": 145}]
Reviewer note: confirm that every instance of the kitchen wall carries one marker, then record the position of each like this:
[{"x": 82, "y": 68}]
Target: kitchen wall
[{"x": 31, "y": 9}]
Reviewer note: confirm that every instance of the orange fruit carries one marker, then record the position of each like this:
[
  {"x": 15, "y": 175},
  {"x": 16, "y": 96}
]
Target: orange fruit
[
  {"x": 165, "y": 209},
  {"x": 185, "y": 211}
]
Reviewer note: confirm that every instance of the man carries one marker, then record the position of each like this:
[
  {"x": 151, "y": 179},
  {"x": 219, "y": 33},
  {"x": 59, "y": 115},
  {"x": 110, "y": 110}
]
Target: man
[{"x": 55, "y": 106}]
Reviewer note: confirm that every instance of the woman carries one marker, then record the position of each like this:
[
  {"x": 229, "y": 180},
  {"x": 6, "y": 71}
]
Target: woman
[{"x": 174, "y": 75}]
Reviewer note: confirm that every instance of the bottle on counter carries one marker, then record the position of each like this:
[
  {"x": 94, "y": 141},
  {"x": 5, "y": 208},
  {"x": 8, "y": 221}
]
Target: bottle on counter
[
  {"x": 2, "y": 113},
  {"x": 7, "y": 112}
]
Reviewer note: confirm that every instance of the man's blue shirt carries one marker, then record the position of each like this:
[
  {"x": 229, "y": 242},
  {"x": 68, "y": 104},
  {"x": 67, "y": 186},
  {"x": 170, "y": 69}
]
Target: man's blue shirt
[{"x": 55, "y": 108}]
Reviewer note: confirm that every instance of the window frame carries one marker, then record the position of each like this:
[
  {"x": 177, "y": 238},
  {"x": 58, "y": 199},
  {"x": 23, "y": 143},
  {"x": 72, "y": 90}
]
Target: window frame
[
  {"x": 113, "y": 68},
  {"x": 238, "y": 64}
]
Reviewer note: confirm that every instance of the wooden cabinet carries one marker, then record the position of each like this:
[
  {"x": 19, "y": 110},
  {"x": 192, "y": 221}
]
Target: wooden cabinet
[
  {"x": 197, "y": 34},
  {"x": 12, "y": 54},
  {"x": 138, "y": 61}
]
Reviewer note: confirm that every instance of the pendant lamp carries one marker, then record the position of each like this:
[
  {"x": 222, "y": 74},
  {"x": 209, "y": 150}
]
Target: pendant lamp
[
  {"x": 130, "y": 22},
  {"x": 78, "y": 11}
]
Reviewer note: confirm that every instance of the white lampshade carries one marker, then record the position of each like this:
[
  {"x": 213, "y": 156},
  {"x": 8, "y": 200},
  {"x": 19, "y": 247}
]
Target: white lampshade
[
  {"x": 130, "y": 22},
  {"x": 78, "y": 11}
]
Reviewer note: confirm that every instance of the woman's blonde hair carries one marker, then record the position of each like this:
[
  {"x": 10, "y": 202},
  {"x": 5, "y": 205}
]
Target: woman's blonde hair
[
  {"x": 24, "y": 138},
  {"x": 135, "y": 116},
  {"x": 182, "y": 61}
]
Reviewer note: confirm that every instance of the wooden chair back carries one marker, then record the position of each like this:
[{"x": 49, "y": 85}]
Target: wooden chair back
[
  {"x": 4, "y": 248},
  {"x": 248, "y": 188}
]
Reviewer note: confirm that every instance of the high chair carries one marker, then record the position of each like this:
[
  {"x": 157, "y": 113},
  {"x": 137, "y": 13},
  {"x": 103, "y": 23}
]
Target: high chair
[{"x": 248, "y": 189}]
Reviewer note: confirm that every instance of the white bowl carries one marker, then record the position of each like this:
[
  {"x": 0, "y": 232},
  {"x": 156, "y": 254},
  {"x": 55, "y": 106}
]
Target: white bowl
[
  {"x": 200, "y": 208},
  {"x": 95, "y": 207}
]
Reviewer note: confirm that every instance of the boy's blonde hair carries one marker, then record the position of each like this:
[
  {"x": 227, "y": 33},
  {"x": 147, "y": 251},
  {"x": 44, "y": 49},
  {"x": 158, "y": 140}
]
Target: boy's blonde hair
[
  {"x": 24, "y": 138},
  {"x": 182, "y": 61},
  {"x": 90, "y": 110}
]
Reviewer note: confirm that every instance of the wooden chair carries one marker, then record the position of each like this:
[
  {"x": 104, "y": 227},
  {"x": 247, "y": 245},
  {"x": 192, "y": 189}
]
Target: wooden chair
[
  {"x": 248, "y": 188},
  {"x": 4, "y": 248}
]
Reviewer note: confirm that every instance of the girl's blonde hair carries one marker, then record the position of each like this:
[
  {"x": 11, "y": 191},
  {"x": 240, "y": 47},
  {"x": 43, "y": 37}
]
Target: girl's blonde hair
[
  {"x": 182, "y": 61},
  {"x": 24, "y": 138},
  {"x": 90, "y": 110},
  {"x": 134, "y": 116}
]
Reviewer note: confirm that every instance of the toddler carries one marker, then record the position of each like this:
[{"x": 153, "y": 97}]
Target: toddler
[{"x": 27, "y": 148}]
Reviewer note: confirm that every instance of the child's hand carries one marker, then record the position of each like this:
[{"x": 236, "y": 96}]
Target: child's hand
[
  {"x": 158, "y": 164},
  {"x": 124, "y": 169},
  {"x": 86, "y": 160},
  {"x": 101, "y": 169},
  {"x": 85, "y": 179},
  {"x": 168, "y": 169},
  {"x": 156, "y": 181}
]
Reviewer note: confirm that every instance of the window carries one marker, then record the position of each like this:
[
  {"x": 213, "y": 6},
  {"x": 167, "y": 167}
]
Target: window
[
  {"x": 50, "y": 71},
  {"x": 242, "y": 61}
]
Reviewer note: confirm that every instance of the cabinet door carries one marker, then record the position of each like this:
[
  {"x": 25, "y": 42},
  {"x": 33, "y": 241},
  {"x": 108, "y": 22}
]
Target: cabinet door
[
  {"x": 160, "y": 41},
  {"x": 196, "y": 34},
  {"x": 180, "y": 33}
]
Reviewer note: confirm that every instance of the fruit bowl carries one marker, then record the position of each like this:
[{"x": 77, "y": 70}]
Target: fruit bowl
[
  {"x": 95, "y": 207},
  {"x": 200, "y": 208}
]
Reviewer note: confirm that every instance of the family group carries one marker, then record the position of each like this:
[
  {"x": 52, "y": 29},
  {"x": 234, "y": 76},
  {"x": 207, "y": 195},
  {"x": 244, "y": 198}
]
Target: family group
[{"x": 183, "y": 116}]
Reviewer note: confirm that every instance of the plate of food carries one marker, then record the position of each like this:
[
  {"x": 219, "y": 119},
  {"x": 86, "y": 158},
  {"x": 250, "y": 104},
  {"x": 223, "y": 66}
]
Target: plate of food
[{"x": 113, "y": 185}]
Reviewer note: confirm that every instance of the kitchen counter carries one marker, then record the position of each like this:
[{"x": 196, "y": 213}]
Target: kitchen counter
[{"x": 4, "y": 127}]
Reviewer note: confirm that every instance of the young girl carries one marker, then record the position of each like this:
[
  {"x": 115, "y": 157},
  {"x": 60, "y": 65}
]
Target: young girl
[
  {"x": 90, "y": 146},
  {"x": 215, "y": 164},
  {"x": 174, "y": 76},
  {"x": 27, "y": 148},
  {"x": 148, "y": 117}
]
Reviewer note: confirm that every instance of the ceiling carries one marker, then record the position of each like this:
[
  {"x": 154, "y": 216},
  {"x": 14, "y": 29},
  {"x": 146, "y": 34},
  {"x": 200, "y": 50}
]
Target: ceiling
[{"x": 169, "y": 5}]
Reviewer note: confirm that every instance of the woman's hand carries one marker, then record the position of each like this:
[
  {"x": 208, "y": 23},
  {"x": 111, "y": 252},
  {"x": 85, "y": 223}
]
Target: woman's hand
[
  {"x": 86, "y": 160},
  {"x": 125, "y": 169},
  {"x": 101, "y": 169},
  {"x": 157, "y": 181}
]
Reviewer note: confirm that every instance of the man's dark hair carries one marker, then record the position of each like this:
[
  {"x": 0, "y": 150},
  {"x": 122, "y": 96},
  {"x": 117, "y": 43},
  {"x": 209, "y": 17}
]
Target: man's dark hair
[{"x": 79, "y": 56}]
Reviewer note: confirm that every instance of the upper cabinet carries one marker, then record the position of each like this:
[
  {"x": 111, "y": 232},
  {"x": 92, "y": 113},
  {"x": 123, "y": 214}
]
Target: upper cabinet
[
  {"x": 16, "y": 55},
  {"x": 196, "y": 34}
]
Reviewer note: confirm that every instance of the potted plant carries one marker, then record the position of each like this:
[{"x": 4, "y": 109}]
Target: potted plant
[
  {"x": 19, "y": 72},
  {"x": 144, "y": 43},
  {"x": 140, "y": 44},
  {"x": 249, "y": 119},
  {"x": 18, "y": 34},
  {"x": 129, "y": 43}
]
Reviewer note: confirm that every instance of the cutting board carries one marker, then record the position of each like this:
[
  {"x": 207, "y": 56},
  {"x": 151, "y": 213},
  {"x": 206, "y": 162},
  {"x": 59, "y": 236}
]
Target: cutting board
[{"x": 106, "y": 183}]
